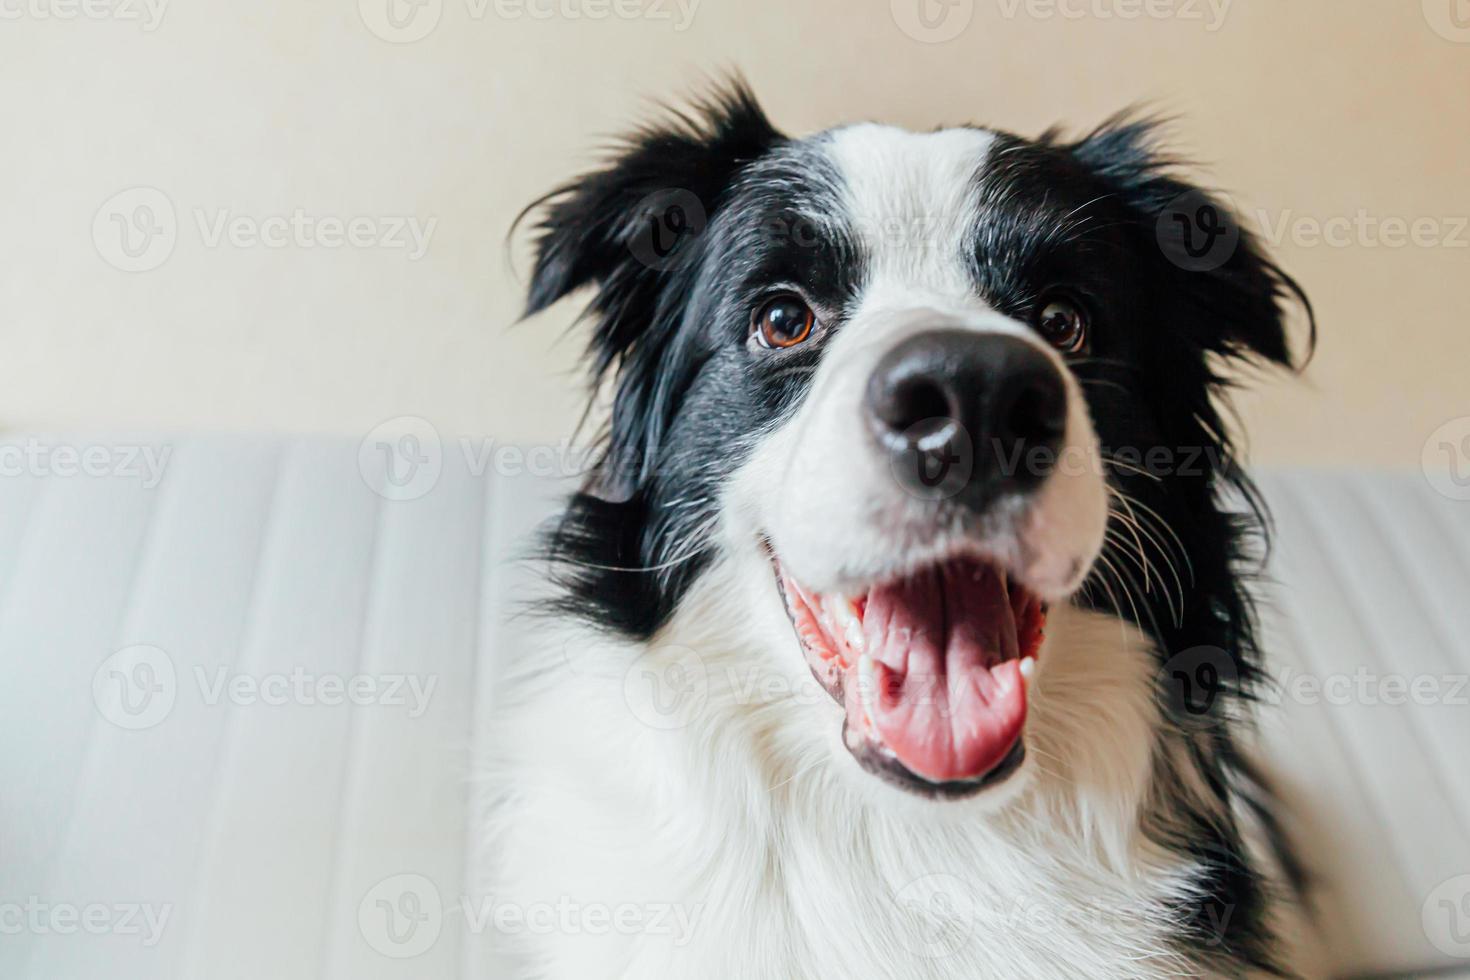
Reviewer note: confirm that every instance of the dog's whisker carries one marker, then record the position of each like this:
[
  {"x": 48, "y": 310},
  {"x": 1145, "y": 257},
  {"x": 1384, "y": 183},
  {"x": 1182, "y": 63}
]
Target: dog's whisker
[
  {"x": 1159, "y": 521},
  {"x": 1166, "y": 555},
  {"x": 1112, "y": 460},
  {"x": 1140, "y": 532},
  {"x": 1152, "y": 621},
  {"x": 1130, "y": 521}
]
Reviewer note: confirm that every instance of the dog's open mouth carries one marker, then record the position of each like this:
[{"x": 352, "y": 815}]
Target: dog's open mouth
[{"x": 931, "y": 670}]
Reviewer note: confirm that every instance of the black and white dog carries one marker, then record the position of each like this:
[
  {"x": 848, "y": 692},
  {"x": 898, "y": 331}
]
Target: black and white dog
[{"x": 875, "y": 626}]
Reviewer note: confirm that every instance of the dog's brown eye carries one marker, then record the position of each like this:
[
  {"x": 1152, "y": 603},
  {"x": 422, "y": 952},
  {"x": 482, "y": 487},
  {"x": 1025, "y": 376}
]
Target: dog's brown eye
[
  {"x": 1064, "y": 325},
  {"x": 784, "y": 322}
]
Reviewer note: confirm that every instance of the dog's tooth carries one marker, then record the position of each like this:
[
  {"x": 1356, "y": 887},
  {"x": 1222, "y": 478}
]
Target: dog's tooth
[
  {"x": 1028, "y": 667},
  {"x": 845, "y": 616},
  {"x": 867, "y": 689}
]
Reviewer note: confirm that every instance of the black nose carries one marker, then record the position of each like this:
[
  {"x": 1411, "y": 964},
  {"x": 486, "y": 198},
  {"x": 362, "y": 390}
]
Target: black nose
[{"x": 969, "y": 416}]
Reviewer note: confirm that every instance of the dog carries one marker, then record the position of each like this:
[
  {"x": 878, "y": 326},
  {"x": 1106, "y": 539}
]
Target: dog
[{"x": 903, "y": 627}]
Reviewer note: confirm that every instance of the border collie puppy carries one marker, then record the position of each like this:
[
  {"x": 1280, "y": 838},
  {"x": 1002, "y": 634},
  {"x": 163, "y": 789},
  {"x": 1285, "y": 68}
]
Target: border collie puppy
[{"x": 900, "y": 630}]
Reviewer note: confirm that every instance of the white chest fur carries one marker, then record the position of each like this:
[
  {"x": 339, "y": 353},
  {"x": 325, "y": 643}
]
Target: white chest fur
[{"x": 674, "y": 813}]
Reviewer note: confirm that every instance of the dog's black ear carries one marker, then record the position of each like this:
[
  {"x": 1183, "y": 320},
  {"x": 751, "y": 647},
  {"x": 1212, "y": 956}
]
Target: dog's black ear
[
  {"x": 1224, "y": 291},
  {"x": 627, "y": 227},
  {"x": 634, "y": 231}
]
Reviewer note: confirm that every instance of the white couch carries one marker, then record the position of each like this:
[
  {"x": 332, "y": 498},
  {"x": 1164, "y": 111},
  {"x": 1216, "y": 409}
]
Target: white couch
[{"x": 157, "y": 822}]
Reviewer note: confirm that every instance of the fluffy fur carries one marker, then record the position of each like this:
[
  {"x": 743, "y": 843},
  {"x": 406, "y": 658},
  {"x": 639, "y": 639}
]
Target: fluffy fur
[{"x": 1136, "y": 841}]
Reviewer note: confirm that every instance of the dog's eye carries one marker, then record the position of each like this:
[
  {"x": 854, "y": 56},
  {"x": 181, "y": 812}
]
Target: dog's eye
[
  {"x": 1064, "y": 325},
  {"x": 784, "y": 322}
]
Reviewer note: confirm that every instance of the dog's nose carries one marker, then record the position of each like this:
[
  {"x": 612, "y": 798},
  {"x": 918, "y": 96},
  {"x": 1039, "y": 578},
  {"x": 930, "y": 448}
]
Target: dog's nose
[{"x": 967, "y": 415}]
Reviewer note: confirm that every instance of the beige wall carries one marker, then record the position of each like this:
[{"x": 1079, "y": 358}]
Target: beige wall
[{"x": 1309, "y": 110}]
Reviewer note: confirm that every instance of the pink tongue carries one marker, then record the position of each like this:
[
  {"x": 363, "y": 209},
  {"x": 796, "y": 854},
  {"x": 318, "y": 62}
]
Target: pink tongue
[{"x": 949, "y": 700}]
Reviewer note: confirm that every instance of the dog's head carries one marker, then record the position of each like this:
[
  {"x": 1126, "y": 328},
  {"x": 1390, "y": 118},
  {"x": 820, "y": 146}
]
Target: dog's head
[{"x": 939, "y": 384}]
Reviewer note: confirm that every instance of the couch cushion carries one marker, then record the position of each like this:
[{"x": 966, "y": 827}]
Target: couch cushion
[{"x": 148, "y": 624}]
